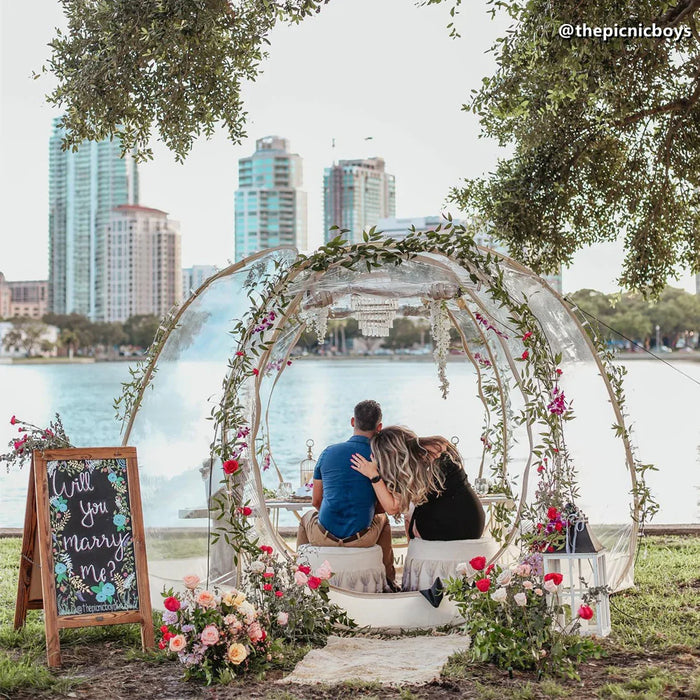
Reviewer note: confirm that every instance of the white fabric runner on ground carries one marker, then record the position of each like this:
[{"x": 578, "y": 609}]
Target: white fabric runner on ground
[{"x": 399, "y": 661}]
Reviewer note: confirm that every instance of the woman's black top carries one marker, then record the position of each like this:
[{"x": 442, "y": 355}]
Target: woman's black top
[{"x": 454, "y": 514}]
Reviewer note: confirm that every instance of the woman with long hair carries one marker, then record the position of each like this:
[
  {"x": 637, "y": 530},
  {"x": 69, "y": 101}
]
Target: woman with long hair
[{"x": 425, "y": 479}]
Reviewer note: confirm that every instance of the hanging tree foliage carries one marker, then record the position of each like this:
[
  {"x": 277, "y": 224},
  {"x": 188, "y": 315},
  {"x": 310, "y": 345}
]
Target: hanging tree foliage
[
  {"x": 125, "y": 67},
  {"x": 605, "y": 137}
]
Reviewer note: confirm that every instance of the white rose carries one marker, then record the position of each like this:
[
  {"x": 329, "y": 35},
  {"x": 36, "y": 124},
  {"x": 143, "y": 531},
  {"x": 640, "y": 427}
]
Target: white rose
[
  {"x": 257, "y": 567},
  {"x": 528, "y": 585},
  {"x": 463, "y": 569},
  {"x": 550, "y": 586},
  {"x": 499, "y": 595},
  {"x": 505, "y": 577},
  {"x": 520, "y": 599}
]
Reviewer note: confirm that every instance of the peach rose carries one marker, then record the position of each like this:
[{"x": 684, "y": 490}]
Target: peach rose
[
  {"x": 206, "y": 599},
  {"x": 191, "y": 581},
  {"x": 239, "y": 599},
  {"x": 528, "y": 585},
  {"x": 324, "y": 571},
  {"x": 236, "y": 653},
  {"x": 209, "y": 636},
  {"x": 550, "y": 586},
  {"x": 538, "y": 591},
  {"x": 177, "y": 643},
  {"x": 282, "y": 618},
  {"x": 255, "y": 632}
]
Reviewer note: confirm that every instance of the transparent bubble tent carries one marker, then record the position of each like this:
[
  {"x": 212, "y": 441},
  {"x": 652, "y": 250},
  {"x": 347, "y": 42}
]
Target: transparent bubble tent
[{"x": 172, "y": 421}]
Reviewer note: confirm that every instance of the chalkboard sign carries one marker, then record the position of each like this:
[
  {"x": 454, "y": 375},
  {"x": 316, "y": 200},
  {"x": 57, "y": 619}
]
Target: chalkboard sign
[{"x": 90, "y": 537}]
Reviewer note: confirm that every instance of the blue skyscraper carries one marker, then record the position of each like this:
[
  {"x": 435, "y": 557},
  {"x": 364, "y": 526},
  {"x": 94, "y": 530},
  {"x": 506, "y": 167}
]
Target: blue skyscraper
[
  {"x": 270, "y": 206},
  {"x": 84, "y": 187}
]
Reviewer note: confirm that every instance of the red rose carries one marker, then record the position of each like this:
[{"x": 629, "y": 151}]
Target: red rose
[
  {"x": 289, "y": 362},
  {"x": 558, "y": 527},
  {"x": 585, "y": 612},
  {"x": 246, "y": 510},
  {"x": 162, "y": 644},
  {"x": 168, "y": 636},
  {"x": 527, "y": 335},
  {"x": 267, "y": 587},
  {"x": 304, "y": 569},
  {"x": 171, "y": 603},
  {"x": 163, "y": 629},
  {"x": 240, "y": 354},
  {"x": 230, "y": 466},
  {"x": 13, "y": 420},
  {"x": 268, "y": 574},
  {"x": 266, "y": 548},
  {"x": 18, "y": 444},
  {"x": 256, "y": 371},
  {"x": 489, "y": 569},
  {"x": 554, "y": 576},
  {"x": 477, "y": 563},
  {"x": 279, "y": 594},
  {"x": 552, "y": 513},
  {"x": 525, "y": 355},
  {"x": 483, "y": 584},
  {"x": 550, "y": 548},
  {"x": 314, "y": 582},
  {"x": 559, "y": 372},
  {"x": 540, "y": 469}
]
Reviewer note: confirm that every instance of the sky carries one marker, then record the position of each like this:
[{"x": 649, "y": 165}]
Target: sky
[{"x": 384, "y": 69}]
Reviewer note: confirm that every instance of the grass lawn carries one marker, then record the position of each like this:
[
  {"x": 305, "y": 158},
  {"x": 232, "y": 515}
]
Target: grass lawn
[{"x": 653, "y": 652}]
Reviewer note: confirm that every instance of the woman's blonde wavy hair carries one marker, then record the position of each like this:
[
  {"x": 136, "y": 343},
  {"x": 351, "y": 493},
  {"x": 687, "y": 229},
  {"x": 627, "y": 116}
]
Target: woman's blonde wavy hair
[{"x": 407, "y": 466}]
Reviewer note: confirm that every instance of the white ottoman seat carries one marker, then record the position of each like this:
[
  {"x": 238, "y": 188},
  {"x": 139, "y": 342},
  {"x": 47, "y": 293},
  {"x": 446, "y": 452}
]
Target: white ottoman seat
[
  {"x": 358, "y": 569},
  {"x": 428, "y": 559}
]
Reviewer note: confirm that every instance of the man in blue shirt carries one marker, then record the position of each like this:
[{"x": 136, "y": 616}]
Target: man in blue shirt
[{"x": 345, "y": 498}]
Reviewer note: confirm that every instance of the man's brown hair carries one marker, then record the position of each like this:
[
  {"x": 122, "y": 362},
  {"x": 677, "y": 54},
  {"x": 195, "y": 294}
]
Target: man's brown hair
[{"x": 368, "y": 415}]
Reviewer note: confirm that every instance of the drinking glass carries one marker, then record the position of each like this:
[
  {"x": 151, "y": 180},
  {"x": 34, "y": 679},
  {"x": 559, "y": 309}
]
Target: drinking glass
[
  {"x": 285, "y": 489},
  {"x": 481, "y": 485}
]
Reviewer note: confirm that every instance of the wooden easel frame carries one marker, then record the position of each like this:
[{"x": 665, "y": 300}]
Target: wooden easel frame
[{"x": 37, "y": 535}]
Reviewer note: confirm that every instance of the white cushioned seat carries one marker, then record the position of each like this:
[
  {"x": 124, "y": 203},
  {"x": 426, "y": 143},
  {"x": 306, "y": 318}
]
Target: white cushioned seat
[
  {"x": 428, "y": 559},
  {"x": 358, "y": 569}
]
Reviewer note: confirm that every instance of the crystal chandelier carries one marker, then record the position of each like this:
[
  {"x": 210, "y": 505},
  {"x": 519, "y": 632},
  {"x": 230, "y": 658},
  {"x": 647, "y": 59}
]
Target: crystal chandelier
[{"x": 375, "y": 316}]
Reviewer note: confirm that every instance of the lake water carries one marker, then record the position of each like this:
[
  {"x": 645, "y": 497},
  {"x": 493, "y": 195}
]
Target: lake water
[{"x": 316, "y": 398}]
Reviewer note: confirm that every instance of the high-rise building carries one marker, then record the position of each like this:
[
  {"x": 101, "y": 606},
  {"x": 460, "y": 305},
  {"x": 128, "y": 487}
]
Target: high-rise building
[
  {"x": 143, "y": 273},
  {"x": 194, "y": 277},
  {"x": 356, "y": 194},
  {"x": 270, "y": 206},
  {"x": 84, "y": 187}
]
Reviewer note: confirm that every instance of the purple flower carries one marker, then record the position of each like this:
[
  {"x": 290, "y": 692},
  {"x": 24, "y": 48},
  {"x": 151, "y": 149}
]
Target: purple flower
[
  {"x": 558, "y": 402},
  {"x": 169, "y": 617},
  {"x": 188, "y": 628}
]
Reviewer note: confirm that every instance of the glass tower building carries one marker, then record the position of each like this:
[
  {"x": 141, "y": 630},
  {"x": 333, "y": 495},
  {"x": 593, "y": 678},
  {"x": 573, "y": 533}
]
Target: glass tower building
[
  {"x": 270, "y": 206},
  {"x": 356, "y": 194},
  {"x": 84, "y": 186}
]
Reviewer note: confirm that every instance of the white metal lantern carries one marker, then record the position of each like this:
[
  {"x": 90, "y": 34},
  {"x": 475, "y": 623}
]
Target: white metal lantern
[
  {"x": 307, "y": 465},
  {"x": 581, "y": 571}
]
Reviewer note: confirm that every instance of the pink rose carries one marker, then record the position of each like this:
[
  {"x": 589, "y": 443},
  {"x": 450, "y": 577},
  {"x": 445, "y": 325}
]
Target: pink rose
[
  {"x": 550, "y": 586},
  {"x": 255, "y": 632},
  {"x": 538, "y": 591},
  {"x": 206, "y": 599},
  {"x": 527, "y": 585},
  {"x": 300, "y": 578},
  {"x": 209, "y": 636},
  {"x": 177, "y": 643},
  {"x": 324, "y": 571},
  {"x": 282, "y": 618},
  {"x": 191, "y": 581}
]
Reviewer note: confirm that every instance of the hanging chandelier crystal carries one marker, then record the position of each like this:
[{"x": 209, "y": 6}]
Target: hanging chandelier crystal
[{"x": 375, "y": 316}]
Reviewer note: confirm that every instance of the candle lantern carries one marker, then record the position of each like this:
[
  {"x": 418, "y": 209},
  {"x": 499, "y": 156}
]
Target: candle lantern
[
  {"x": 581, "y": 562},
  {"x": 307, "y": 465}
]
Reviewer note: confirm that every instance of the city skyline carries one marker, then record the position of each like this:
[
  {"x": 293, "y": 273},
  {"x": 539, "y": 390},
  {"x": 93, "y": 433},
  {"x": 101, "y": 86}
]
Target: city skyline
[{"x": 413, "y": 115}]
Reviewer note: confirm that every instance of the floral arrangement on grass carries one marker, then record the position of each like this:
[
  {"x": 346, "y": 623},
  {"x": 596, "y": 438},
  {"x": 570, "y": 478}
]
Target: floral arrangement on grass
[
  {"x": 31, "y": 437},
  {"x": 513, "y": 617},
  {"x": 294, "y": 598},
  {"x": 215, "y": 636}
]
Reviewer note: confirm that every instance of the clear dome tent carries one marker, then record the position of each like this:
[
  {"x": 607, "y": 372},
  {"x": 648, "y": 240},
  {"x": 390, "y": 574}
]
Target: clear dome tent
[{"x": 189, "y": 375}]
